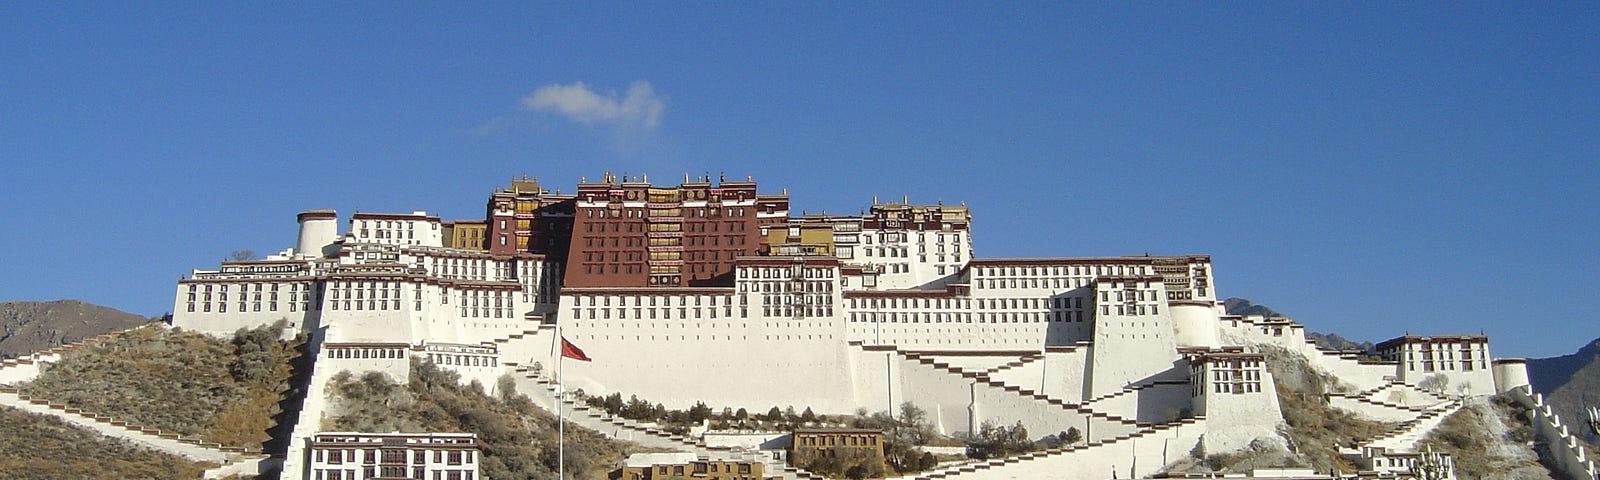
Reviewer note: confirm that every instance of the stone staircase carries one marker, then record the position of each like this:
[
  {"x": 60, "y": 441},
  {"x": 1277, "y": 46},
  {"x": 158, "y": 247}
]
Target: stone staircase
[
  {"x": 1032, "y": 464},
  {"x": 1024, "y": 360},
  {"x": 231, "y": 460},
  {"x": 173, "y": 443},
  {"x": 1133, "y": 389},
  {"x": 932, "y": 358},
  {"x": 543, "y": 391},
  {"x": 292, "y": 401},
  {"x": 1404, "y": 437},
  {"x": 525, "y": 346},
  {"x": 1427, "y": 398},
  {"x": 1379, "y": 403},
  {"x": 22, "y": 369},
  {"x": 983, "y": 378}
]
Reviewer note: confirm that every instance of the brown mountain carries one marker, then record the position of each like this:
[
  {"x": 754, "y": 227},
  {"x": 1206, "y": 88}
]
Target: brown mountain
[
  {"x": 1571, "y": 384},
  {"x": 27, "y": 327}
]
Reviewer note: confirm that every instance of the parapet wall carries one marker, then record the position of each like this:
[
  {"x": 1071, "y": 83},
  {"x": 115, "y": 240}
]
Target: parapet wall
[{"x": 1566, "y": 450}]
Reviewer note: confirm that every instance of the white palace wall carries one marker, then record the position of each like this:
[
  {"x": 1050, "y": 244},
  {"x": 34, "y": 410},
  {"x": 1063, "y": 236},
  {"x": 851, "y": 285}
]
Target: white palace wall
[
  {"x": 1134, "y": 341},
  {"x": 874, "y": 372},
  {"x": 1358, "y": 375},
  {"x": 218, "y": 303},
  {"x": 1068, "y": 370},
  {"x": 1059, "y": 374},
  {"x": 685, "y": 354},
  {"x": 959, "y": 405},
  {"x": 392, "y": 359}
]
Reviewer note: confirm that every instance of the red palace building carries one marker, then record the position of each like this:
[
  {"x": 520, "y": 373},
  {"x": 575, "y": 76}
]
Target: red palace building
[
  {"x": 629, "y": 233},
  {"x": 528, "y": 218}
]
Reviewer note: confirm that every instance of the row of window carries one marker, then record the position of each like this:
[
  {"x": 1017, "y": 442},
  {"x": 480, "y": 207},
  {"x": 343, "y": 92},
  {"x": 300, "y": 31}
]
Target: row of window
[
  {"x": 222, "y": 306},
  {"x": 965, "y": 317},
  {"x": 464, "y": 360},
  {"x": 462, "y": 268},
  {"x": 364, "y": 352},
  {"x": 592, "y": 212},
  {"x": 247, "y": 287},
  {"x": 965, "y": 303},
  {"x": 786, "y": 272},
  {"x": 785, "y": 287},
  {"x": 653, "y": 313},
  {"x": 340, "y": 456},
  {"x": 795, "y": 299},
  {"x": 652, "y": 300},
  {"x": 1060, "y": 271},
  {"x": 388, "y": 471}
]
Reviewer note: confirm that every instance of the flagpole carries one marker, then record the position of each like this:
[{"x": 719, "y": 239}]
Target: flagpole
[{"x": 561, "y": 422}]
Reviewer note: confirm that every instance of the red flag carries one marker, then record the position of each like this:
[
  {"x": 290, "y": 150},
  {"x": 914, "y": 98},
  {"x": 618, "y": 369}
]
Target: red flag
[{"x": 572, "y": 351}]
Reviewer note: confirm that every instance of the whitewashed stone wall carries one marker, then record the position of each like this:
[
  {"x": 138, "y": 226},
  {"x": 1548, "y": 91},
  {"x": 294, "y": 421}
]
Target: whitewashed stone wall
[{"x": 1567, "y": 451}]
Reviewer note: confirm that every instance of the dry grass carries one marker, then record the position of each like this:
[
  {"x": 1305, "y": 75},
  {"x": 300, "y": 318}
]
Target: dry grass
[
  {"x": 188, "y": 383},
  {"x": 1315, "y": 429},
  {"x": 38, "y": 447},
  {"x": 1487, "y": 439}
]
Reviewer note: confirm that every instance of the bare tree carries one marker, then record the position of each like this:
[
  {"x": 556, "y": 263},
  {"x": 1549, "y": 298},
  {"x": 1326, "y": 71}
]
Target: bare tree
[{"x": 242, "y": 255}]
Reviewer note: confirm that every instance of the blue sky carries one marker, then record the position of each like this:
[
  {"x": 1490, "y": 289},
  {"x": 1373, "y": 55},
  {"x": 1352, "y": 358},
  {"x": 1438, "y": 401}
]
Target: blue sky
[{"x": 1371, "y": 169}]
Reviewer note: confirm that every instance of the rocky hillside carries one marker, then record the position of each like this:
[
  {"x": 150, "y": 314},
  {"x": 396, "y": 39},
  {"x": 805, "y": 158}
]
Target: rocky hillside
[
  {"x": 27, "y": 327},
  {"x": 1571, "y": 383},
  {"x": 1331, "y": 341}
]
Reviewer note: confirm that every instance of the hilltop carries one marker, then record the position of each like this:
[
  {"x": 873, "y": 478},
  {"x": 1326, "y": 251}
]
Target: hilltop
[
  {"x": 27, "y": 327},
  {"x": 1571, "y": 383}
]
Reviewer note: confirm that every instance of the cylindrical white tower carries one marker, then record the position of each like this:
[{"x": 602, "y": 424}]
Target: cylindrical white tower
[
  {"x": 1194, "y": 324},
  {"x": 319, "y": 229},
  {"x": 1509, "y": 373}
]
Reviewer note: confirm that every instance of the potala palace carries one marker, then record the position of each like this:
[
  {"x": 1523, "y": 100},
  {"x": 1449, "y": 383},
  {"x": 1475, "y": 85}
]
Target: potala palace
[{"x": 710, "y": 291}]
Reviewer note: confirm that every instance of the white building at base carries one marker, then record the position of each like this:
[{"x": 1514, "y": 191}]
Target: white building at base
[{"x": 380, "y": 456}]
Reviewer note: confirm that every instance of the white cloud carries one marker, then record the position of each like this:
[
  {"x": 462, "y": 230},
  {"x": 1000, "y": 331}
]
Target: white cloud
[{"x": 640, "y": 107}]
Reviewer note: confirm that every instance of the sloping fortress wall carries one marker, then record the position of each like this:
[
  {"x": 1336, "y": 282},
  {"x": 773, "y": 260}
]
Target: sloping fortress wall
[{"x": 710, "y": 292}]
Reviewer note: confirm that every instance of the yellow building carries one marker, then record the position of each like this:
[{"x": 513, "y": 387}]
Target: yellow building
[
  {"x": 465, "y": 234},
  {"x": 833, "y": 442},
  {"x": 668, "y": 466},
  {"x": 799, "y": 238},
  {"x": 839, "y": 452}
]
